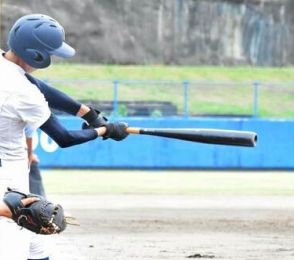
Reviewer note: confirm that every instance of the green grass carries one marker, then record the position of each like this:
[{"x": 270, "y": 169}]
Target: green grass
[
  {"x": 209, "y": 91},
  {"x": 161, "y": 72},
  {"x": 168, "y": 182}
]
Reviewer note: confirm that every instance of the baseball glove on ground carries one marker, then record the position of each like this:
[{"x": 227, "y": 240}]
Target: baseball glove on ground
[{"x": 41, "y": 217}]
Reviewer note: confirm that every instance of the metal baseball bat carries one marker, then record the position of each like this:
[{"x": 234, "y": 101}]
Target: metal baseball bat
[{"x": 209, "y": 136}]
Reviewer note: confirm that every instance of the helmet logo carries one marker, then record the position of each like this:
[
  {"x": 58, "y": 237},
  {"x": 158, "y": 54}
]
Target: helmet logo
[{"x": 38, "y": 57}]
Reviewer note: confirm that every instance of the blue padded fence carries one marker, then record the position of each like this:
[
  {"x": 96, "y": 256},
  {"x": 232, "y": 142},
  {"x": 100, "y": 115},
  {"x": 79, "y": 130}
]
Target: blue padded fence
[{"x": 274, "y": 150}]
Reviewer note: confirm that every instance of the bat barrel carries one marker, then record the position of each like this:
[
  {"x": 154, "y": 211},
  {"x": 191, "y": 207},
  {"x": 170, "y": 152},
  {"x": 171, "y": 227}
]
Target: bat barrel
[{"x": 210, "y": 136}]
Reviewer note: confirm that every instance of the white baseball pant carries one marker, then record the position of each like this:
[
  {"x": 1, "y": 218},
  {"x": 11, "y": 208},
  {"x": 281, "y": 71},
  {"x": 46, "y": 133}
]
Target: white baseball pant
[{"x": 17, "y": 243}]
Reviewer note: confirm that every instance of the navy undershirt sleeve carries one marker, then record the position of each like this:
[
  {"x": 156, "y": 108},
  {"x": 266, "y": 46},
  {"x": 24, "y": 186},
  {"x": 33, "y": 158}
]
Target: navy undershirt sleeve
[
  {"x": 55, "y": 98},
  {"x": 65, "y": 138},
  {"x": 52, "y": 127}
]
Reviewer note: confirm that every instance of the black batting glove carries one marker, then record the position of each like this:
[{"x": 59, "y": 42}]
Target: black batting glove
[
  {"x": 94, "y": 119},
  {"x": 116, "y": 131}
]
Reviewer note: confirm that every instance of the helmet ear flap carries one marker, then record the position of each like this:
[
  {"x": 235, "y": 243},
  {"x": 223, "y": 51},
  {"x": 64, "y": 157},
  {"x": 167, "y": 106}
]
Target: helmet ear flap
[{"x": 39, "y": 59}]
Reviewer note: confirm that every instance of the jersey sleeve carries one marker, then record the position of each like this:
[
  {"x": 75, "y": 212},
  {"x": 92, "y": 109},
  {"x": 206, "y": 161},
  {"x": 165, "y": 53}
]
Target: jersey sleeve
[{"x": 32, "y": 108}]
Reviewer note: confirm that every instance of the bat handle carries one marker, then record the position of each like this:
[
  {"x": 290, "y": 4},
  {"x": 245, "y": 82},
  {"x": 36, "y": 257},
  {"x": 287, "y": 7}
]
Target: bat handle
[
  {"x": 133, "y": 130},
  {"x": 101, "y": 130}
]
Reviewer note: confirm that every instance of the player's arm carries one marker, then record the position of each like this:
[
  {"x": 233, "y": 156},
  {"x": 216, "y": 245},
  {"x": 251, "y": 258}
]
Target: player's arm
[
  {"x": 62, "y": 102},
  {"x": 66, "y": 138},
  {"x": 31, "y": 156},
  {"x": 32, "y": 108},
  {"x": 29, "y": 141}
]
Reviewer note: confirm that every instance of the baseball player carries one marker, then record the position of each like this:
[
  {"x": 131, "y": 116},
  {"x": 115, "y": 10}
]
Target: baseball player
[{"x": 33, "y": 39}]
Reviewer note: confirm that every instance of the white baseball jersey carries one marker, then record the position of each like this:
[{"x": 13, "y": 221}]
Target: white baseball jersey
[{"x": 21, "y": 104}]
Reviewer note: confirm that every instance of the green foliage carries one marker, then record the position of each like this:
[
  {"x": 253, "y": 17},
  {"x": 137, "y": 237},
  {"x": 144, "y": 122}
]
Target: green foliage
[
  {"x": 122, "y": 110},
  {"x": 161, "y": 72},
  {"x": 156, "y": 113}
]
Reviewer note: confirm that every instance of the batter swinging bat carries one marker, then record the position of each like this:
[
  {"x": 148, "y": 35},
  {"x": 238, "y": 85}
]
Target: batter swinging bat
[{"x": 210, "y": 136}]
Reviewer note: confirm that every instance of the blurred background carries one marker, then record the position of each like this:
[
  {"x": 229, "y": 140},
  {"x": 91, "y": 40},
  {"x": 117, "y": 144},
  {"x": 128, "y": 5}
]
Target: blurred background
[{"x": 181, "y": 32}]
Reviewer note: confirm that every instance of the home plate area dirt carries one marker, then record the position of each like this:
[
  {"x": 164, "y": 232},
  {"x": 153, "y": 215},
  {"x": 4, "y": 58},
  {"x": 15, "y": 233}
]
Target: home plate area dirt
[{"x": 176, "y": 227}]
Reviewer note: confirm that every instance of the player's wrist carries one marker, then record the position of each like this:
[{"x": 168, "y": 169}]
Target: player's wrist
[
  {"x": 94, "y": 119},
  {"x": 90, "y": 116},
  {"x": 83, "y": 110}
]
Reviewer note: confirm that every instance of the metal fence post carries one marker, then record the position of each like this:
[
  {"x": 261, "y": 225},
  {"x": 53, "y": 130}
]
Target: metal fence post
[
  {"x": 256, "y": 86},
  {"x": 115, "y": 98},
  {"x": 186, "y": 97}
]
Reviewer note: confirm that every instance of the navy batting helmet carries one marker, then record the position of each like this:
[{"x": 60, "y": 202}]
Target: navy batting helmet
[{"x": 36, "y": 37}]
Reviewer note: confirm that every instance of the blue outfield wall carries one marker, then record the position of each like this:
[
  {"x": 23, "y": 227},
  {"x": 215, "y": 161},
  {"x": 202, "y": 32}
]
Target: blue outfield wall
[{"x": 274, "y": 150}]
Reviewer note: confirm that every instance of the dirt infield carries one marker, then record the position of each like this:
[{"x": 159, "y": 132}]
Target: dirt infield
[{"x": 178, "y": 227}]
